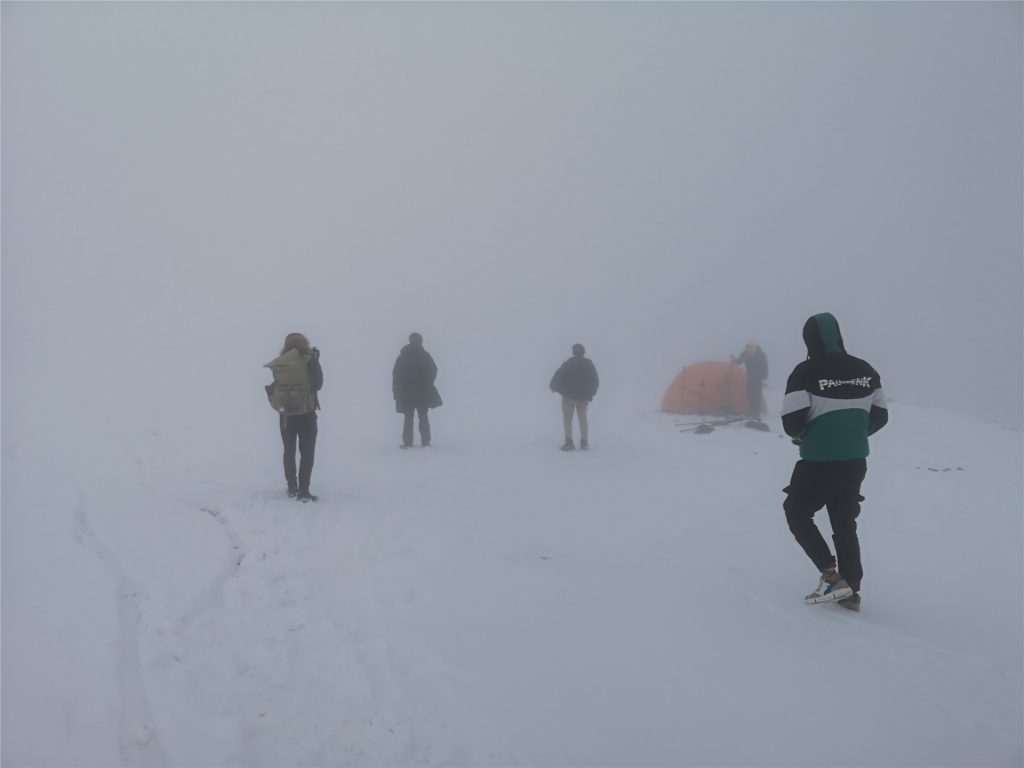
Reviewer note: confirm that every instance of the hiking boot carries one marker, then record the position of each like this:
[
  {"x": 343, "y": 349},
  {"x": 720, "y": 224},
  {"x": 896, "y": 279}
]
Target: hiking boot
[
  {"x": 568, "y": 445},
  {"x": 403, "y": 446},
  {"x": 583, "y": 445},
  {"x": 292, "y": 492},
  {"x": 306, "y": 496},
  {"x": 831, "y": 587},
  {"x": 851, "y": 603}
]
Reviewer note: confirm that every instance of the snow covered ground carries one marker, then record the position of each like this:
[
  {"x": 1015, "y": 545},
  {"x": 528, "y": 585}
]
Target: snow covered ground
[
  {"x": 492, "y": 601},
  {"x": 186, "y": 183}
]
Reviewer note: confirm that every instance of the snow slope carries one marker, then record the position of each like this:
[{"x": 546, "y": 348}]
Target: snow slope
[
  {"x": 185, "y": 183},
  {"x": 492, "y": 601}
]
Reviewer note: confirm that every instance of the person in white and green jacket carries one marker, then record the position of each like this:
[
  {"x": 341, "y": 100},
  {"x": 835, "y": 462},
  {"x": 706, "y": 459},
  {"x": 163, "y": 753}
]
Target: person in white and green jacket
[{"x": 833, "y": 402}]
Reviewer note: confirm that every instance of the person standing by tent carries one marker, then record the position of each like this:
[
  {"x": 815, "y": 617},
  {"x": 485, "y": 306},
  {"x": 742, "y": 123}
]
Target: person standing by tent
[
  {"x": 833, "y": 402},
  {"x": 576, "y": 381},
  {"x": 412, "y": 384},
  {"x": 756, "y": 363},
  {"x": 294, "y": 394}
]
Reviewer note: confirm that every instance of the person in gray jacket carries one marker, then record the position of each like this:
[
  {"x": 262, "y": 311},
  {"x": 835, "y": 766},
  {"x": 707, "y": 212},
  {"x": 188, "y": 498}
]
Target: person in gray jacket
[
  {"x": 756, "y": 363},
  {"x": 576, "y": 381}
]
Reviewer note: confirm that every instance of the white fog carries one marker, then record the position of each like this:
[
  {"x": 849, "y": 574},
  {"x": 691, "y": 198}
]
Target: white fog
[{"x": 183, "y": 184}]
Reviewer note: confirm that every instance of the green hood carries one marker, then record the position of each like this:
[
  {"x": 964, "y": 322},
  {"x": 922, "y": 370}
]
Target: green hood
[{"x": 822, "y": 336}]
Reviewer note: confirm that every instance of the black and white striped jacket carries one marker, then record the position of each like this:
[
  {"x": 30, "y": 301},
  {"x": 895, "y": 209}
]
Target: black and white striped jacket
[{"x": 834, "y": 400}]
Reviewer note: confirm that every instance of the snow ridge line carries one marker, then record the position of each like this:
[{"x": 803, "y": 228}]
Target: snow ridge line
[
  {"x": 231, "y": 569},
  {"x": 212, "y": 596},
  {"x": 138, "y": 734}
]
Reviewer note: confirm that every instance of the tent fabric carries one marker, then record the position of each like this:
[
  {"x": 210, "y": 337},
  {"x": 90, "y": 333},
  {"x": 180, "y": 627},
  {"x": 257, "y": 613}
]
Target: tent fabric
[{"x": 712, "y": 387}]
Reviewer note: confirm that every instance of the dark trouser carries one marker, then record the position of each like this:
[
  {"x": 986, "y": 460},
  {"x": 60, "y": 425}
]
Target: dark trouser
[
  {"x": 424, "y": 426},
  {"x": 303, "y": 429},
  {"x": 834, "y": 485},
  {"x": 754, "y": 398}
]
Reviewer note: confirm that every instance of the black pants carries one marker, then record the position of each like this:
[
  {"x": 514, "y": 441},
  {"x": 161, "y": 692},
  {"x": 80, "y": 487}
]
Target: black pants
[
  {"x": 303, "y": 429},
  {"x": 424, "y": 426},
  {"x": 754, "y": 398},
  {"x": 834, "y": 485}
]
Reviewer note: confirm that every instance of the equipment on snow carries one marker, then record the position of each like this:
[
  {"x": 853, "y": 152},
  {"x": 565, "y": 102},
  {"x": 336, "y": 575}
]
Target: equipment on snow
[{"x": 705, "y": 427}]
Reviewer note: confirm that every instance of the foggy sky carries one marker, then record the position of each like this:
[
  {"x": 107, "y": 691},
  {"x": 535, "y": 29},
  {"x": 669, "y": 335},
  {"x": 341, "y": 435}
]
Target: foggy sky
[{"x": 659, "y": 181}]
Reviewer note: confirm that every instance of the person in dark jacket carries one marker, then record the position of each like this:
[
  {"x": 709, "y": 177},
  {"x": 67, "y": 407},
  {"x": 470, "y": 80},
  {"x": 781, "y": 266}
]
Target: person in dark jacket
[
  {"x": 301, "y": 428},
  {"x": 576, "y": 381},
  {"x": 833, "y": 402},
  {"x": 412, "y": 384},
  {"x": 756, "y": 363}
]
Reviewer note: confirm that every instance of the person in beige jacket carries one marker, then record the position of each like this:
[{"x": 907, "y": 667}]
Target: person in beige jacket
[{"x": 294, "y": 394}]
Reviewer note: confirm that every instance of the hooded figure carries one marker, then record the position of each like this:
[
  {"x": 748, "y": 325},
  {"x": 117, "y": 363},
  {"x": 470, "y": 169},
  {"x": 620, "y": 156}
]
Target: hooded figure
[
  {"x": 576, "y": 381},
  {"x": 833, "y": 402},
  {"x": 412, "y": 384}
]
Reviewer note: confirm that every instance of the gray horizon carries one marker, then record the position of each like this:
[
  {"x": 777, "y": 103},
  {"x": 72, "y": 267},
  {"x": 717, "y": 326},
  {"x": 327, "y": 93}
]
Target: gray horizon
[{"x": 659, "y": 181}]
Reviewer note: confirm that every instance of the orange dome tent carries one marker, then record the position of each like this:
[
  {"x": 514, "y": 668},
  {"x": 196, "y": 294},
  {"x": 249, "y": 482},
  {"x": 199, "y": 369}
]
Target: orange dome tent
[{"x": 708, "y": 388}]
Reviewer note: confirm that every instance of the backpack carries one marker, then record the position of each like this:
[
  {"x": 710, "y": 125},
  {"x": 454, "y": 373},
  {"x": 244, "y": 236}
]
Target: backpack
[{"x": 290, "y": 394}]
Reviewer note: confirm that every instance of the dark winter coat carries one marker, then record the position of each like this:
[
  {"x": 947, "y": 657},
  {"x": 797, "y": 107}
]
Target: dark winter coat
[
  {"x": 412, "y": 380},
  {"x": 834, "y": 400},
  {"x": 576, "y": 379},
  {"x": 756, "y": 363}
]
